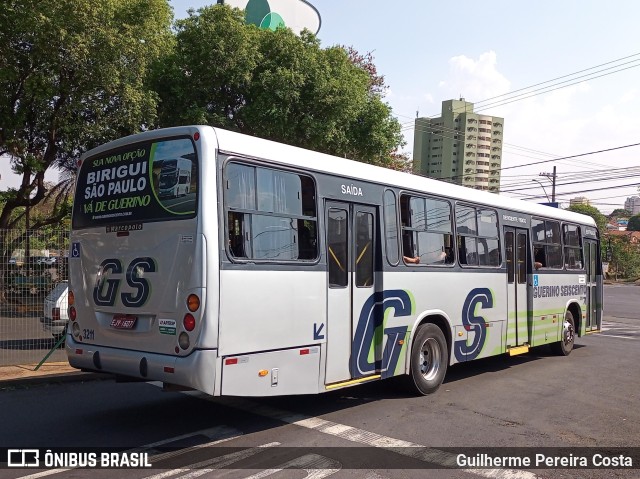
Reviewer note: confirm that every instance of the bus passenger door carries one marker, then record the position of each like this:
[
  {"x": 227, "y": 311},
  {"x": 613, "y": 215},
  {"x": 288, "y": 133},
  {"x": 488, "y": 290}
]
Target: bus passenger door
[
  {"x": 352, "y": 315},
  {"x": 593, "y": 292},
  {"x": 516, "y": 241}
]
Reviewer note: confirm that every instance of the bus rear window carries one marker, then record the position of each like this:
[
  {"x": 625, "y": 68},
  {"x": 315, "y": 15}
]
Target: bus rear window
[{"x": 150, "y": 181}]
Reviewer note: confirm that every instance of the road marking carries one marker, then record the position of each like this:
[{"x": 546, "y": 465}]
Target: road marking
[
  {"x": 406, "y": 448},
  {"x": 317, "y": 467},
  {"x": 219, "y": 434},
  {"x": 210, "y": 465},
  {"x": 616, "y": 336}
]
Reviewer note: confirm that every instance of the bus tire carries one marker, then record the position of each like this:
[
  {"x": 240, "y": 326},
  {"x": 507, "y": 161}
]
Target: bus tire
[
  {"x": 429, "y": 359},
  {"x": 565, "y": 345}
]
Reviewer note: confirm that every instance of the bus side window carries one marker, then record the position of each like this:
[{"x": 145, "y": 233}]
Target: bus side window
[
  {"x": 236, "y": 235},
  {"x": 538, "y": 257},
  {"x": 307, "y": 239}
]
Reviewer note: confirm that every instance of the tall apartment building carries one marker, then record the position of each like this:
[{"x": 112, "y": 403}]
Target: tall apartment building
[
  {"x": 460, "y": 146},
  {"x": 632, "y": 204},
  {"x": 579, "y": 200}
]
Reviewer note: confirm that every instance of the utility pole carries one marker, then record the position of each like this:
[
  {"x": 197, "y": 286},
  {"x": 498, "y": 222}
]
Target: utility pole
[{"x": 552, "y": 177}]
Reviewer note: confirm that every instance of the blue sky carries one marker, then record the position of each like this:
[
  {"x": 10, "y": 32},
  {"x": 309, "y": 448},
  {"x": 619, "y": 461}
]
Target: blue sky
[{"x": 433, "y": 51}]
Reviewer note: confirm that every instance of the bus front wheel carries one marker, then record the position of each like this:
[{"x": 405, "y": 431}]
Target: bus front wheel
[
  {"x": 565, "y": 345},
  {"x": 429, "y": 359}
]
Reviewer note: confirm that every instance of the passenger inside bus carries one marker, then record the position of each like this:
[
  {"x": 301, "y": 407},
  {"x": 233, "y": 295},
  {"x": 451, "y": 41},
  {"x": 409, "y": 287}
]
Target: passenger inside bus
[
  {"x": 407, "y": 249},
  {"x": 538, "y": 257}
]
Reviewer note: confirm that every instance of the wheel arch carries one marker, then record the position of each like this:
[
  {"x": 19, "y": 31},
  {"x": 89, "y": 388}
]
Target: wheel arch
[
  {"x": 576, "y": 311},
  {"x": 440, "y": 319}
]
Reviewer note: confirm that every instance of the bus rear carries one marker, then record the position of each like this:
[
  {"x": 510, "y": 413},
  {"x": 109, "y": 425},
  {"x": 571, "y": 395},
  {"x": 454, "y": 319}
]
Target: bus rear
[{"x": 137, "y": 256}]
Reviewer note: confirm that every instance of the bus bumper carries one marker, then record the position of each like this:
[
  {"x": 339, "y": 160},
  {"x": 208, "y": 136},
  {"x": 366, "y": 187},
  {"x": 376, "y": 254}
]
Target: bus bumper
[{"x": 197, "y": 370}]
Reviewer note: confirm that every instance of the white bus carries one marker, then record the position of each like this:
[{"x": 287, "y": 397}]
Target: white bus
[
  {"x": 175, "y": 177},
  {"x": 294, "y": 272}
]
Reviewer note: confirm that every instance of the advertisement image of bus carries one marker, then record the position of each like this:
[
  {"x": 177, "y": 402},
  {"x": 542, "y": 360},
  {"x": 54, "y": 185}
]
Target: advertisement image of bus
[
  {"x": 286, "y": 271},
  {"x": 175, "y": 177}
]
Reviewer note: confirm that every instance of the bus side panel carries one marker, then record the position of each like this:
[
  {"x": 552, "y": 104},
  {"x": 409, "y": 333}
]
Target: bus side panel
[
  {"x": 475, "y": 303},
  {"x": 277, "y": 373},
  {"x": 551, "y": 294},
  {"x": 268, "y": 310}
]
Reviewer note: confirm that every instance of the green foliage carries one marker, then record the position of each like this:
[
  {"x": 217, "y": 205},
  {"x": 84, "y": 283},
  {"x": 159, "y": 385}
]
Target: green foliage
[
  {"x": 72, "y": 76},
  {"x": 620, "y": 213},
  {"x": 275, "y": 85},
  {"x": 599, "y": 218},
  {"x": 634, "y": 223},
  {"x": 625, "y": 257}
]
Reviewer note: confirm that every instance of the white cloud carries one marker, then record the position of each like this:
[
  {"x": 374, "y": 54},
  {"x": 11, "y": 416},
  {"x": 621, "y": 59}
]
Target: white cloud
[
  {"x": 474, "y": 79},
  {"x": 588, "y": 116}
]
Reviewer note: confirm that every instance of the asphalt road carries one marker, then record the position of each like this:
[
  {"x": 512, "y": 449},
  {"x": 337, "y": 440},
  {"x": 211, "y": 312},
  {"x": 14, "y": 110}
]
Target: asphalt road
[
  {"x": 622, "y": 301},
  {"x": 586, "y": 400}
]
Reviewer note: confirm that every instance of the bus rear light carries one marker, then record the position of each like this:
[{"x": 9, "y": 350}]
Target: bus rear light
[
  {"x": 55, "y": 314},
  {"x": 183, "y": 340},
  {"x": 230, "y": 361},
  {"x": 75, "y": 329},
  {"x": 304, "y": 351},
  {"x": 71, "y": 298},
  {"x": 79, "y": 351},
  {"x": 177, "y": 350},
  {"x": 196, "y": 136},
  {"x": 193, "y": 303},
  {"x": 189, "y": 322},
  {"x": 168, "y": 369},
  {"x": 78, "y": 164},
  {"x": 72, "y": 313}
]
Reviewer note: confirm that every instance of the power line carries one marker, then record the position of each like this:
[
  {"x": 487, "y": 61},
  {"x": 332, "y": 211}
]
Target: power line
[
  {"x": 510, "y": 99},
  {"x": 564, "y": 76},
  {"x": 548, "y": 89},
  {"x": 587, "y": 191},
  {"x": 572, "y": 156}
]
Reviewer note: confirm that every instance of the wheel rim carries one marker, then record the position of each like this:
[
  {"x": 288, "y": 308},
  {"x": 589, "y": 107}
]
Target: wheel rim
[
  {"x": 567, "y": 332},
  {"x": 430, "y": 359}
]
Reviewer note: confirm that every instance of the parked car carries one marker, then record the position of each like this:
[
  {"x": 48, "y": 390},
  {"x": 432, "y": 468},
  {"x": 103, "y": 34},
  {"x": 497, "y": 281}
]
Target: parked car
[
  {"x": 48, "y": 260},
  {"x": 56, "y": 315}
]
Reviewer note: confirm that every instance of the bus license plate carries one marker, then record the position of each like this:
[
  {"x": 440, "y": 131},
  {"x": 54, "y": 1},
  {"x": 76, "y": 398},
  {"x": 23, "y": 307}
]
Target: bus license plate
[{"x": 123, "y": 321}]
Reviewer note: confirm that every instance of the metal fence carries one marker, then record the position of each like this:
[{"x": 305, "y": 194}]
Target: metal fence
[{"x": 34, "y": 273}]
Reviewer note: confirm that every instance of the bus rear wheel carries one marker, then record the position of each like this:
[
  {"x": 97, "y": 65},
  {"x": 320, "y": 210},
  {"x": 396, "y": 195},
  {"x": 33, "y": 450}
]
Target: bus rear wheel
[
  {"x": 429, "y": 359},
  {"x": 565, "y": 345}
]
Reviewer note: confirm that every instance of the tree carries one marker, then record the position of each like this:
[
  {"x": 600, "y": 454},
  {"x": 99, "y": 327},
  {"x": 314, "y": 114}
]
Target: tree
[
  {"x": 634, "y": 223},
  {"x": 72, "y": 76},
  {"x": 625, "y": 257},
  {"x": 620, "y": 213},
  {"x": 275, "y": 85},
  {"x": 599, "y": 218}
]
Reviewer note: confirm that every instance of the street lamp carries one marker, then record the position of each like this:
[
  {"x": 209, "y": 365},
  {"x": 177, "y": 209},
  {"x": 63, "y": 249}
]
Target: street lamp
[{"x": 545, "y": 191}]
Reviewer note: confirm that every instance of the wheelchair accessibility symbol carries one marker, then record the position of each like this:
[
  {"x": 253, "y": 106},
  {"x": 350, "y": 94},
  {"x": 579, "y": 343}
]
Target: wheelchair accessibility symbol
[{"x": 75, "y": 250}]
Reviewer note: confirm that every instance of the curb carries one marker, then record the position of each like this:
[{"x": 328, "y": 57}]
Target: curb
[{"x": 71, "y": 377}]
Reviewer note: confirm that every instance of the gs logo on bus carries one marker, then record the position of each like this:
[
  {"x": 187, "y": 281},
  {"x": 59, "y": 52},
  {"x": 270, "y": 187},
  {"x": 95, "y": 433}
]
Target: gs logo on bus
[
  {"x": 370, "y": 331},
  {"x": 106, "y": 288},
  {"x": 484, "y": 298}
]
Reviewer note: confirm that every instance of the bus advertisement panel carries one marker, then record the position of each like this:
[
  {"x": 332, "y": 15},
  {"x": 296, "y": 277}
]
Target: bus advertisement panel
[{"x": 127, "y": 184}]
